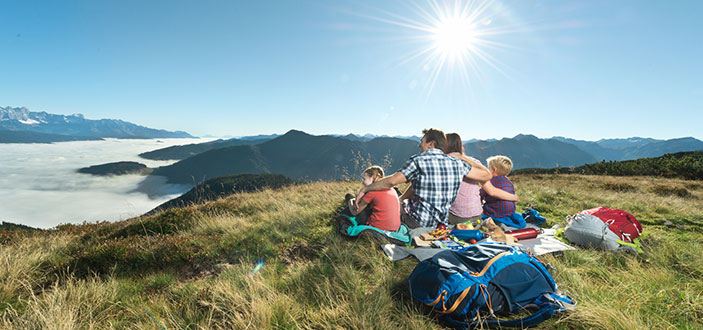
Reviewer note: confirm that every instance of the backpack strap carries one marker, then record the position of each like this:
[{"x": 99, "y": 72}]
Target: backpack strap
[
  {"x": 627, "y": 216},
  {"x": 549, "y": 304}
]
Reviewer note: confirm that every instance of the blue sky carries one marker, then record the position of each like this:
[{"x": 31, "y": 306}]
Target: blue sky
[{"x": 581, "y": 69}]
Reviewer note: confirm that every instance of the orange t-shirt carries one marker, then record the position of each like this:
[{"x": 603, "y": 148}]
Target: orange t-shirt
[{"x": 385, "y": 209}]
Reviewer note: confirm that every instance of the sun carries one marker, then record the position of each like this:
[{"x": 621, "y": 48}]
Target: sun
[{"x": 454, "y": 37}]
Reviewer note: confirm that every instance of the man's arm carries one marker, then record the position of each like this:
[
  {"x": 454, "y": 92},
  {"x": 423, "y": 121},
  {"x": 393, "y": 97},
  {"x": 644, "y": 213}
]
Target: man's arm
[
  {"x": 491, "y": 190},
  {"x": 478, "y": 172},
  {"x": 383, "y": 184}
]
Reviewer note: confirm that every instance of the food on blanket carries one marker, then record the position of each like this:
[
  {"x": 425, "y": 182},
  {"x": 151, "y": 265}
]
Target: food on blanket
[
  {"x": 460, "y": 242},
  {"x": 420, "y": 242},
  {"x": 472, "y": 241},
  {"x": 447, "y": 244},
  {"x": 490, "y": 225},
  {"x": 441, "y": 226},
  {"x": 525, "y": 233},
  {"x": 436, "y": 234},
  {"x": 465, "y": 226},
  {"x": 497, "y": 233}
]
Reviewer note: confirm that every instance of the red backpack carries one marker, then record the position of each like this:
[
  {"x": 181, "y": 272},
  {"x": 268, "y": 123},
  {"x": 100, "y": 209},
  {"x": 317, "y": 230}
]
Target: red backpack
[{"x": 623, "y": 224}]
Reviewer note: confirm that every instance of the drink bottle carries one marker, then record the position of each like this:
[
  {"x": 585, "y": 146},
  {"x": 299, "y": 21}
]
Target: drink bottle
[
  {"x": 525, "y": 233},
  {"x": 469, "y": 234}
]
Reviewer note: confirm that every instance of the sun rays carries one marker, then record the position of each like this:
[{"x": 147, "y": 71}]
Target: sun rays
[{"x": 453, "y": 40}]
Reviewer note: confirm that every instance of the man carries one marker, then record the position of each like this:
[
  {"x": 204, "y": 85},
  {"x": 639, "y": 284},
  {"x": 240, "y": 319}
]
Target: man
[{"x": 435, "y": 180}]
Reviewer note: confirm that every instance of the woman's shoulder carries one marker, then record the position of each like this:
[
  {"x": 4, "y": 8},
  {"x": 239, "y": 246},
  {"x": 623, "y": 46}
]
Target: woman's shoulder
[{"x": 467, "y": 156}]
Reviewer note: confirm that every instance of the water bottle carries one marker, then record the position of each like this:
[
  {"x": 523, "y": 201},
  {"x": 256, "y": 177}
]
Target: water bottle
[
  {"x": 469, "y": 234},
  {"x": 525, "y": 233}
]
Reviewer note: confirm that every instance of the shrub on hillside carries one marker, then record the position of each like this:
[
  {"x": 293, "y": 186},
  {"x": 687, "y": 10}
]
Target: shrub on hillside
[
  {"x": 671, "y": 190},
  {"x": 9, "y": 236},
  {"x": 685, "y": 165},
  {"x": 694, "y": 186},
  {"x": 10, "y": 232},
  {"x": 618, "y": 186},
  {"x": 170, "y": 221},
  {"x": 13, "y": 226}
]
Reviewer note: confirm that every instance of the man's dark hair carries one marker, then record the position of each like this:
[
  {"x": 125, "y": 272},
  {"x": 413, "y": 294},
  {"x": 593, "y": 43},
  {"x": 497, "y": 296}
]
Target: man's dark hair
[{"x": 440, "y": 140}]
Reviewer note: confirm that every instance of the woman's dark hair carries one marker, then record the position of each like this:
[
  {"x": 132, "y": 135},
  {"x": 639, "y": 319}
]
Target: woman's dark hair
[{"x": 453, "y": 143}]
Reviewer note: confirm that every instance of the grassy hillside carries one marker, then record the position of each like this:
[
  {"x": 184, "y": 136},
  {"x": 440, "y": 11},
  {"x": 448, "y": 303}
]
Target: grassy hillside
[
  {"x": 226, "y": 185},
  {"x": 196, "y": 268}
]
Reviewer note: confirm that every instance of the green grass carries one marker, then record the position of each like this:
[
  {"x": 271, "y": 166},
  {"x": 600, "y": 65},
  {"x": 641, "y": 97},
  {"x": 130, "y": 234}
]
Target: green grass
[{"x": 193, "y": 268}]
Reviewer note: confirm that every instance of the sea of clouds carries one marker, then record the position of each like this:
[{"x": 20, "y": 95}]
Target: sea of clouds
[{"x": 39, "y": 185}]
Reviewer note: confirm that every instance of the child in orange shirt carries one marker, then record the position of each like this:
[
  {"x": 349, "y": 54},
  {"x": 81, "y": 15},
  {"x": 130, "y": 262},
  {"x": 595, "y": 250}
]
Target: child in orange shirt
[{"x": 381, "y": 207}]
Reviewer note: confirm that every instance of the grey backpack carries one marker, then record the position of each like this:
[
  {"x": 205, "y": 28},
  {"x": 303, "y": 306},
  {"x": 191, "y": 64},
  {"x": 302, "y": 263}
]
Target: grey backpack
[{"x": 589, "y": 230}]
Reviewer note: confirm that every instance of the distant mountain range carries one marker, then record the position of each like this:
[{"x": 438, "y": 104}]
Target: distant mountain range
[
  {"x": 530, "y": 151},
  {"x": 34, "y": 137},
  {"x": 633, "y": 148},
  {"x": 42, "y": 127},
  {"x": 185, "y": 151},
  {"x": 369, "y": 137},
  {"x": 305, "y": 157},
  {"x": 297, "y": 155}
]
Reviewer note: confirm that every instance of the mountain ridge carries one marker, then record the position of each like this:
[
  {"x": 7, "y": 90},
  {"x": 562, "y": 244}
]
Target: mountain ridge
[
  {"x": 22, "y": 119},
  {"x": 296, "y": 154},
  {"x": 305, "y": 157}
]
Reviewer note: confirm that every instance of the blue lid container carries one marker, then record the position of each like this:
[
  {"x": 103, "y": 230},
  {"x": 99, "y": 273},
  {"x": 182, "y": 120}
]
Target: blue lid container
[{"x": 468, "y": 234}]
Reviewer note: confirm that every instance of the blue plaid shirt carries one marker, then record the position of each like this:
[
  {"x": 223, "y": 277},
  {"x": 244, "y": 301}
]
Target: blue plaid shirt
[{"x": 435, "y": 180}]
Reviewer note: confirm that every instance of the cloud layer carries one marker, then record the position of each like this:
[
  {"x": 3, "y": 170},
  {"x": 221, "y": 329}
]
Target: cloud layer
[{"x": 39, "y": 185}]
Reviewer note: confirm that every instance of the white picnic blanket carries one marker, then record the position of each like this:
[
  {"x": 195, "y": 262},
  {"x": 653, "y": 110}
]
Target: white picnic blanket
[{"x": 542, "y": 244}]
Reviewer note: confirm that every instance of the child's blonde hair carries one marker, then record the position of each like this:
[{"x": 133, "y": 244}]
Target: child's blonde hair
[
  {"x": 503, "y": 165},
  {"x": 375, "y": 172}
]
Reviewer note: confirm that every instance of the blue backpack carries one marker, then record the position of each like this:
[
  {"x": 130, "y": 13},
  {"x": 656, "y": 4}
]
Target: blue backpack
[{"x": 487, "y": 278}]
